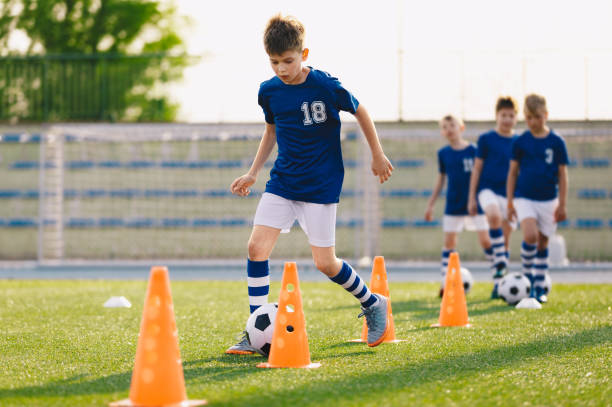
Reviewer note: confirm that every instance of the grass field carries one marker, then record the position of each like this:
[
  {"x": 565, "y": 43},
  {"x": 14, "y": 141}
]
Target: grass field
[{"x": 59, "y": 346}]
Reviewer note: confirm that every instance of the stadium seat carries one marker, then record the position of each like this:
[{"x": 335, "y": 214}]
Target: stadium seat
[
  {"x": 175, "y": 222},
  {"x": 421, "y": 223},
  {"x": 591, "y": 193},
  {"x": 156, "y": 193},
  {"x": 30, "y": 194},
  {"x": 596, "y": 162},
  {"x": 589, "y": 223},
  {"x": 21, "y": 223},
  {"x": 71, "y": 193},
  {"x": 174, "y": 164},
  {"x": 10, "y": 193},
  {"x": 81, "y": 223},
  {"x": 233, "y": 222},
  {"x": 216, "y": 192},
  {"x": 140, "y": 164},
  {"x": 200, "y": 164},
  {"x": 125, "y": 193},
  {"x": 564, "y": 224},
  {"x": 110, "y": 222},
  {"x": 109, "y": 164},
  {"x": 10, "y": 138},
  {"x": 79, "y": 165},
  {"x": 204, "y": 222},
  {"x": 394, "y": 223},
  {"x": 408, "y": 163},
  {"x": 229, "y": 164},
  {"x": 185, "y": 193},
  {"x": 140, "y": 223},
  {"x": 94, "y": 193},
  {"x": 24, "y": 165}
]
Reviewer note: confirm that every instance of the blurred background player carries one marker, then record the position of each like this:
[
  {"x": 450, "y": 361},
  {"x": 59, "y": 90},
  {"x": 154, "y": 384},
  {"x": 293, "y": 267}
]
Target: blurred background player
[
  {"x": 488, "y": 184},
  {"x": 537, "y": 189},
  {"x": 302, "y": 112},
  {"x": 456, "y": 161}
]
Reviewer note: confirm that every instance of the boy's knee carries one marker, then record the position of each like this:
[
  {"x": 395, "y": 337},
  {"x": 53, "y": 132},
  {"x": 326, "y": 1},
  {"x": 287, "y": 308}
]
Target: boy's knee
[
  {"x": 530, "y": 238},
  {"x": 327, "y": 266},
  {"x": 495, "y": 219},
  {"x": 256, "y": 250}
]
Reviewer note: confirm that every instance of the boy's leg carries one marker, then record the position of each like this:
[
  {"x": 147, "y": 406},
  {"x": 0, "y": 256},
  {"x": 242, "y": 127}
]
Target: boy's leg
[
  {"x": 540, "y": 267},
  {"x": 261, "y": 243},
  {"x": 529, "y": 227},
  {"x": 491, "y": 204},
  {"x": 450, "y": 243}
]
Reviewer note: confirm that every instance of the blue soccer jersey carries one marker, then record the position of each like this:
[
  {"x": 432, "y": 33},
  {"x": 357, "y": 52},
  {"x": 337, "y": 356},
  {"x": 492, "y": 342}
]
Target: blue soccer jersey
[
  {"x": 309, "y": 165},
  {"x": 457, "y": 165},
  {"x": 495, "y": 151},
  {"x": 539, "y": 160}
]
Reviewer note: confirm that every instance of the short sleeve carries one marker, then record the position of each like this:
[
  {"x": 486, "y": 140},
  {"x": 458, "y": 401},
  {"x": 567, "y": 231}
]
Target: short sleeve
[
  {"x": 263, "y": 102},
  {"x": 482, "y": 148},
  {"x": 561, "y": 154},
  {"x": 441, "y": 167},
  {"x": 344, "y": 99},
  {"x": 517, "y": 151}
]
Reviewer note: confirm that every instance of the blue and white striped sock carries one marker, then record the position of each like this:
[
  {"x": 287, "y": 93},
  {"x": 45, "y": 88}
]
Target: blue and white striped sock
[
  {"x": 444, "y": 262},
  {"x": 499, "y": 251},
  {"x": 540, "y": 265},
  {"x": 489, "y": 254},
  {"x": 350, "y": 280},
  {"x": 528, "y": 254},
  {"x": 258, "y": 276}
]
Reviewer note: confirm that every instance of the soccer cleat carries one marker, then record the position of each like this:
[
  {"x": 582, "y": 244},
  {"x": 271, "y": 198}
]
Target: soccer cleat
[
  {"x": 377, "y": 320},
  {"x": 243, "y": 347},
  {"x": 539, "y": 294},
  {"x": 497, "y": 277}
]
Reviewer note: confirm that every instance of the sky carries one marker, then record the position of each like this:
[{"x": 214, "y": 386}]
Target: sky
[{"x": 453, "y": 56}]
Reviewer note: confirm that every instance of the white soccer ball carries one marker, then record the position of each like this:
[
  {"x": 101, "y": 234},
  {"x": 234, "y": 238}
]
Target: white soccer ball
[
  {"x": 260, "y": 327},
  {"x": 466, "y": 278},
  {"x": 547, "y": 284},
  {"x": 513, "y": 288}
]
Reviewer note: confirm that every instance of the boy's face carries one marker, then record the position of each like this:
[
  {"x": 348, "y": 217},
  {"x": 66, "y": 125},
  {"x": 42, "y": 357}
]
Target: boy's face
[
  {"x": 506, "y": 119},
  {"x": 288, "y": 65},
  {"x": 536, "y": 120},
  {"x": 451, "y": 130}
]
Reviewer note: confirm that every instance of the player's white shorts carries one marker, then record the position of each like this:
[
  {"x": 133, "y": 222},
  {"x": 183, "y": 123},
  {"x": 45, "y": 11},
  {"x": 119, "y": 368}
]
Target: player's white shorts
[
  {"x": 451, "y": 223},
  {"x": 542, "y": 211},
  {"x": 318, "y": 221},
  {"x": 486, "y": 197}
]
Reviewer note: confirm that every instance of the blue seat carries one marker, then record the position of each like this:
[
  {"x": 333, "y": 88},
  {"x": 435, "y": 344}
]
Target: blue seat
[
  {"x": 125, "y": 193},
  {"x": 408, "y": 163},
  {"x": 94, "y": 193},
  {"x": 592, "y": 193},
  {"x": 24, "y": 165},
  {"x": 140, "y": 164},
  {"x": 71, "y": 193},
  {"x": 233, "y": 222},
  {"x": 81, "y": 223},
  {"x": 10, "y": 137},
  {"x": 229, "y": 164},
  {"x": 216, "y": 192},
  {"x": 10, "y": 193},
  {"x": 21, "y": 223},
  {"x": 79, "y": 165},
  {"x": 596, "y": 162},
  {"x": 30, "y": 194},
  {"x": 421, "y": 223},
  {"x": 204, "y": 222},
  {"x": 394, "y": 223},
  {"x": 175, "y": 222},
  {"x": 174, "y": 164},
  {"x": 109, "y": 164},
  {"x": 185, "y": 193},
  {"x": 156, "y": 193},
  {"x": 140, "y": 223},
  {"x": 589, "y": 223},
  {"x": 110, "y": 222},
  {"x": 564, "y": 224},
  {"x": 200, "y": 164}
]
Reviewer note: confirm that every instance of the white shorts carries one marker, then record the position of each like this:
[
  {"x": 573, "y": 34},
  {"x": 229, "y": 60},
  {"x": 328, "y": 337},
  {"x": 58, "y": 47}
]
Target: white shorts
[
  {"x": 452, "y": 223},
  {"x": 486, "y": 198},
  {"x": 318, "y": 221},
  {"x": 542, "y": 211}
]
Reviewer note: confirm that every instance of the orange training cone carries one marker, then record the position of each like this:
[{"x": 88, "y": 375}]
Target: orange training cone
[
  {"x": 157, "y": 379},
  {"x": 453, "y": 311},
  {"x": 380, "y": 285},
  {"x": 289, "y": 341}
]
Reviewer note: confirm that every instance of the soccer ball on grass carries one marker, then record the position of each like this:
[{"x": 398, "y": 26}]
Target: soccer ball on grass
[
  {"x": 513, "y": 288},
  {"x": 466, "y": 278},
  {"x": 260, "y": 327}
]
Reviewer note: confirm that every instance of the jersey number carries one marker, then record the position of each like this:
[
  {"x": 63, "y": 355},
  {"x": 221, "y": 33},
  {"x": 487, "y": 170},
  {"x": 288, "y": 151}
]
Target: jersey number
[
  {"x": 549, "y": 156},
  {"x": 468, "y": 164},
  {"x": 318, "y": 113}
]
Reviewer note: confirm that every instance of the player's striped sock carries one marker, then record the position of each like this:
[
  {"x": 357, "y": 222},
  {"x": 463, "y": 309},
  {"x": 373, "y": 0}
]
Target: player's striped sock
[
  {"x": 489, "y": 254},
  {"x": 350, "y": 280},
  {"x": 258, "y": 273},
  {"x": 444, "y": 263},
  {"x": 528, "y": 254},
  {"x": 499, "y": 252},
  {"x": 540, "y": 265}
]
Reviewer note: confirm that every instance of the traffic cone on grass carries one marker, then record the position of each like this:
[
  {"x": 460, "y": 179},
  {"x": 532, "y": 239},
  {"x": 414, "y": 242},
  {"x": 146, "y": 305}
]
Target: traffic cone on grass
[
  {"x": 380, "y": 285},
  {"x": 157, "y": 379},
  {"x": 453, "y": 310},
  {"x": 289, "y": 341}
]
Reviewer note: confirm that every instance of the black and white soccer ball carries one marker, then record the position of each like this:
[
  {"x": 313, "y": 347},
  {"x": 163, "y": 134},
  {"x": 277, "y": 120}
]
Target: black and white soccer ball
[
  {"x": 260, "y": 327},
  {"x": 546, "y": 284},
  {"x": 513, "y": 288},
  {"x": 466, "y": 278}
]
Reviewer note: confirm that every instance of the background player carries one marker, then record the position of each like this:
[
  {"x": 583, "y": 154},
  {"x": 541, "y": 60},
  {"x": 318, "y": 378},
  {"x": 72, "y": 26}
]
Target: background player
[
  {"x": 456, "y": 161},
  {"x": 488, "y": 183},
  {"x": 301, "y": 107},
  {"x": 537, "y": 189}
]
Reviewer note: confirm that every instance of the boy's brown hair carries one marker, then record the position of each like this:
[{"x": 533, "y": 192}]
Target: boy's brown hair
[
  {"x": 533, "y": 102},
  {"x": 506, "y": 102},
  {"x": 283, "y": 33},
  {"x": 452, "y": 118}
]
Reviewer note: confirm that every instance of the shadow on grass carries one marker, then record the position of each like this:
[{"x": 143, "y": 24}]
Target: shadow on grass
[{"x": 367, "y": 386}]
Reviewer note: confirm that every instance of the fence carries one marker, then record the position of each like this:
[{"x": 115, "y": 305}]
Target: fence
[{"x": 161, "y": 191}]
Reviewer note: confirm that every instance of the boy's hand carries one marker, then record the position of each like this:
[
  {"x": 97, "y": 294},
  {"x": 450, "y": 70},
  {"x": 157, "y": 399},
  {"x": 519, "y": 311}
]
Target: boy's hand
[
  {"x": 381, "y": 167},
  {"x": 429, "y": 214},
  {"x": 560, "y": 214},
  {"x": 472, "y": 206},
  {"x": 241, "y": 185},
  {"x": 511, "y": 213}
]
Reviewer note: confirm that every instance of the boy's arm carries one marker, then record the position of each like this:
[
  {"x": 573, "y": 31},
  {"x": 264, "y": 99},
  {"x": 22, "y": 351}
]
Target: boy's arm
[
  {"x": 560, "y": 212},
  {"x": 434, "y": 196},
  {"x": 474, "y": 178},
  {"x": 510, "y": 187},
  {"x": 241, "y": 185},
  {"x": 381, "y": 166}
]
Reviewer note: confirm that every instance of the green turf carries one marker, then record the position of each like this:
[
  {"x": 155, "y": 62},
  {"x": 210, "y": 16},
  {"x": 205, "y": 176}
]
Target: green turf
[{"x": 59, "y": 346}]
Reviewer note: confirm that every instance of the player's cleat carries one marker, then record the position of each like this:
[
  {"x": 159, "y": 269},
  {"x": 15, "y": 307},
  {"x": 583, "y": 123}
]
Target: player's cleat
[
  {"x": 377, "y": 320},
  {"x": 243, "y": 347},
  {"x": 539, "y": 294},
  {"x": 497, "y": 277}
]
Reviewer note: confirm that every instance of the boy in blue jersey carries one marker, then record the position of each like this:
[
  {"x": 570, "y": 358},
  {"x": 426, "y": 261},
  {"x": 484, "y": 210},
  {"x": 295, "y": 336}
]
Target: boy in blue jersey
[
  {"x": 456, "y": 161},
  {"x": 301, "y": 106},
  {"x": 488, "y": 184},
  {"x": 537, "y": 190}
]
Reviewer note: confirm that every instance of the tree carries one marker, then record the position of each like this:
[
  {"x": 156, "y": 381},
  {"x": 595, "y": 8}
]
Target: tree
[{"x": 118, "y": 52}]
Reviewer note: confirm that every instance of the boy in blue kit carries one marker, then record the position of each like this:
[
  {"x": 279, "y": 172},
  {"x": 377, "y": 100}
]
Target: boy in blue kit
[
  {"x": 301, "y": 107},
  {"x": 488, "y": 184},
  {"x": 537, "y": 190},
  {"x": 456, "y": 160}
]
